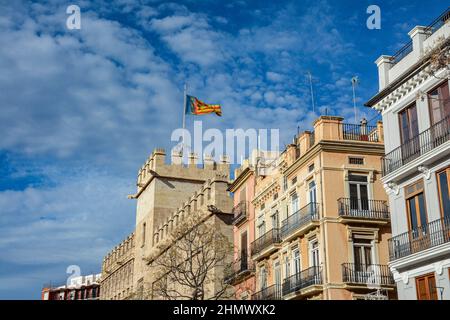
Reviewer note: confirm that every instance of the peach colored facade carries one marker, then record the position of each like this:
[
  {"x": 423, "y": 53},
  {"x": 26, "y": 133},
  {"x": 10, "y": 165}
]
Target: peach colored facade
[{"x": 321, "y": 219}]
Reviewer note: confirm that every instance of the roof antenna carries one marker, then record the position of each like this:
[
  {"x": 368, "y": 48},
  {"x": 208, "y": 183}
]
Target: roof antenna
[{"x": 355, "y": 81}]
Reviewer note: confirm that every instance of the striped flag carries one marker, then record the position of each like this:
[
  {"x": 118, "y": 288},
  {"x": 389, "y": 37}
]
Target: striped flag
[{"x": 198, "y": 107}]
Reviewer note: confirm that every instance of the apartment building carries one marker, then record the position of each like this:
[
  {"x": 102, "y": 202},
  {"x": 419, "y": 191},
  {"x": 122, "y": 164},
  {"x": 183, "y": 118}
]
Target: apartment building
[
  {"x": 78, "y": 288},
  {"x": 321, "y": 217},
  {"x": 241, "y": 274},
  {"x": 414, "y": 101}
]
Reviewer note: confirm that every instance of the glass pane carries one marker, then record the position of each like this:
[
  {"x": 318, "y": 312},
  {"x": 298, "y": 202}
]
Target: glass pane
[
  {"x": 412, "y": 213},
  {"x": 353, "y": 196},
  {"x": 357, "y": 253},
  {"x": 423, "y": 212},
  {"x": 368, "y": 255},
  {"x": 414, "y": 123},
  {"x": 364, "y": 197},
  {"x": 435, "y": 106},
  {"x": 444, "y": 194}
]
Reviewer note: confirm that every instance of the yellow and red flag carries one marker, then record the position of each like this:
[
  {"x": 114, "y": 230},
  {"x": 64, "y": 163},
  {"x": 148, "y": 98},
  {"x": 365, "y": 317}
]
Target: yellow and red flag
[{"x": 198, "y": 107}]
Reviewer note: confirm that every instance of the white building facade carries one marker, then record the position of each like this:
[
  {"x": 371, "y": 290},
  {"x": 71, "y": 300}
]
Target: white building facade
[{"x": 414, "y": 101}]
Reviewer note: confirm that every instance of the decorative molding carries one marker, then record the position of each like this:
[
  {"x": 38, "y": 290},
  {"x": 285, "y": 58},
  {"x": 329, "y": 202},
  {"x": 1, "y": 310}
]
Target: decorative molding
[
  {"x": 392, "y": 187},
  {"x": 425, "y": 170}
]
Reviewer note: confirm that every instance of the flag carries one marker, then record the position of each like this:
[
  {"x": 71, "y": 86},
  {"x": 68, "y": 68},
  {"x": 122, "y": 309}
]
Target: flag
[{"x": 198, "y": 107}]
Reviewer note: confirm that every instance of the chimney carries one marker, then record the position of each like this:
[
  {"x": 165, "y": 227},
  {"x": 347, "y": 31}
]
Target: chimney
[{"x": 384, "y": 63}]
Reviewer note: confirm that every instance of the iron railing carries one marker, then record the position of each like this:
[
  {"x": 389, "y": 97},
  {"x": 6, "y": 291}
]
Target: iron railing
[
  {"x": 432, "y": 28},
  {"x": 240, "y": 212},
  {"x": 424, "y": 237},
  {"x": 374, "y": 274},
  {"x": 270, "y": 293},
  {"x": 303, "y": 279},
  {"x": 359, "y": 132},
  {"x": 241, "y": 266},
  {"x": 438, "y": 22},
  {"x": 363, "y": 208},
  {"x": 307, "y": 214},
  {"x": 266, "y": 240},
  {"x": 426, "y": 141}
]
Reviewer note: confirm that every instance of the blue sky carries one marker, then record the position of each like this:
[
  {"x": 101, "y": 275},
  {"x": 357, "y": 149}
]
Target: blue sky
[{"x": 82, "y": 109}]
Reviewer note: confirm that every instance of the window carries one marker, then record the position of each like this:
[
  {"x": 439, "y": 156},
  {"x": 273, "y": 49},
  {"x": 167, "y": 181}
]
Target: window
[
  {"x": 296, "y": 261},
  {"x": 409, "y": 127},
  {"x": 287, "y": 267},
  {"x": 294, "y": 181},
  {"x": 275, "y": 220},
  {"x": 263, "y": 278},
  {"x": 285, "y": 183},
  {"x": 143, "y": 233},
  {"x": 312, "y": 192},
  {"x": 314, "y": 253},
  {"x": 311, "y": 167},
  {"x": 443, "y": 178},
  {"x": 415, "y": 206},
  {"x": 263, "y": 206},
  {"x": 275, "y": 196},
  {"x": 359, "y": 196},
  {"x": 294, "y": 202},
  {"x": 426, "y": 287},
  {"x": 356, "y": 160},
  {"x": 439, "y": 103},
  {"x": 277, "y": 272},
  {"x": 261, "y": 225},
  {"x": 362, "y": 253}
]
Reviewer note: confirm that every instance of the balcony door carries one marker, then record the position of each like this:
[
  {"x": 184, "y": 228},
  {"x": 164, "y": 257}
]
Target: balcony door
[
  {"x": 244, "y": 252},
  {"x": 439, "y": 103},
  {"x": 314, "y": 253},
  {"x": 417, "y": 214},
  {"x": 409, "y": 130},
  {"x": 443, "y": 178},
  {"x": 359, "y": 194}
]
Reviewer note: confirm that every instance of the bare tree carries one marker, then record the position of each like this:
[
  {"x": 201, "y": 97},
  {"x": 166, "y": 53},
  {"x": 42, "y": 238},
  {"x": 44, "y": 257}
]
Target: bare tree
[
  {"x": 439, "y": 57},
  {"x": 190, "y": 264}
]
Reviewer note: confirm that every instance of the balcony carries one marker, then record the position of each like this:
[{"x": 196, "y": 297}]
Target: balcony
[
  {"x": 240, "y": 212},
  {"x": 239, "y": 270},
  {"x": 266, "y": 242},
  {"x": 370, "y": 275},
  {"x": 426, "y": 141},
  {"x": 269, "y": 293},
  {"x": 359, "y": 132},
  {"x": 424, "y": 237},
  {"x": 363, "y": 209},
  {"x": 302, "y": 280},
  {"x": 301, "y": 221}
]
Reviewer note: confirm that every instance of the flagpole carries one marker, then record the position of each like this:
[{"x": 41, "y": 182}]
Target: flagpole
[{"x": 184, "y": 115}]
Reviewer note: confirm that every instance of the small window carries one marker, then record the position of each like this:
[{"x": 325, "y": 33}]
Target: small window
[
  {"x": 275, "y": 196},
  {"x": 356, "y": 160},
  {"x": 285, "y": 183},
  {"x": 294, "y": 181},
  {"x": 311, "y": 167},
  {"x": 263, "y": 206}
]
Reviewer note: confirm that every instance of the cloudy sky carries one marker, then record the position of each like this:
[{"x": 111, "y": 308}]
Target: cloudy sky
[{"x": 82, "y": 109}]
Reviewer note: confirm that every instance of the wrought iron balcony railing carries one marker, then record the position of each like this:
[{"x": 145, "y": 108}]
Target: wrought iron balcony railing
[
  {"x": 424, "y": 237},
  {"x": 270, "y": 293},
  {"x": 240, "y": 267},
  {"x": 363, "y": 208},
  {"x": 240, "y": 212},
  {"x": 269, "y": 238},
  {"x": 359, "y": 132},
  {"x": 374, "y": 274},
  {"x": 308, "y": 213},
  {"x": 426, "y": 141},
  {"x": 303, "y": 279}
]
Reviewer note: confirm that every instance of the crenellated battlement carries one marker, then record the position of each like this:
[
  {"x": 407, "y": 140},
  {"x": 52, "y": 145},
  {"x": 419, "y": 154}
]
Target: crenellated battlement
[
  {"x": 119, "y": 254},
  {"x": 156, "y": 165},
  {"x": 212, "y": 192}
]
